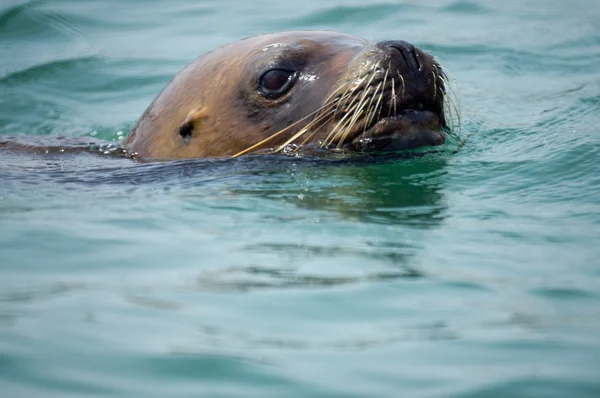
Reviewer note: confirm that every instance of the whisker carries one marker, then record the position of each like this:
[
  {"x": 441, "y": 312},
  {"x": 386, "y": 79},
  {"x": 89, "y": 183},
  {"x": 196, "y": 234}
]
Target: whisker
[
  {"x": 395, "y": 103},
  {"x": 368, "y": 116},
  {"x": 371, "y": 112},
  {"x": 341, "y": 87},
  {"x": 383, "y": 91},
  {"x": 450, "y": 101},
  {"x": 358, "y": 111},
  {"x": 345, "y": 129},
  {"x": 353, "y": 86},
  {"x": 327, "y": 140},
  {"x": 453, "y": 101},
  {"x": 390, "y": 105},
  {"x": 304, "y": 130},
  {"x": 315, "y": 130},
  {"x": 379, "y": 105},
  {"x": 274, "y": 135},
  {"x": 348, "y": 129},
  {"x": 352, "y": 107},
  {"x": 392, "y": 101},
  {"x": 403, "y": 84},
  {"x": 341, "y": 128},
  {"x": 380, "y": 85}
]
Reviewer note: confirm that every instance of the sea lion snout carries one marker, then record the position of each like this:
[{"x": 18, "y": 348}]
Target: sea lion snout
[
  {"x": 403, "y": 52},
  {"x": 415, "y": 74},
  {"x": 407, "y": 88}
]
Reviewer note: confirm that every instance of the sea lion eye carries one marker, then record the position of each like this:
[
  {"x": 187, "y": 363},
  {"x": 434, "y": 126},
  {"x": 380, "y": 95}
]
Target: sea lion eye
[{"x": 276, "y": 82}]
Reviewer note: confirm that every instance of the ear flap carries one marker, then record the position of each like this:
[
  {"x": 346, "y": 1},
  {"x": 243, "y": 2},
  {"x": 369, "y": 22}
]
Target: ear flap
[{"x": 193, "y": 122}]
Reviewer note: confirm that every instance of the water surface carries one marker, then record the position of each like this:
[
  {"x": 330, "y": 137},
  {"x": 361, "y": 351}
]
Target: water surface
[{"x": 468, "y": 274}]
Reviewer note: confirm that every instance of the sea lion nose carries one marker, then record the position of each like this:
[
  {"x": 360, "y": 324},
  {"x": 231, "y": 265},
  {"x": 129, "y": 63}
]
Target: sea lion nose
[{"x": 407, "y": 52}]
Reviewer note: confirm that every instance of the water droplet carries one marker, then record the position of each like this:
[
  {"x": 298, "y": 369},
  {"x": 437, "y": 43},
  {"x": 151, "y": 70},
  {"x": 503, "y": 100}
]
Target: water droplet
[{"x": 289, "y": 149}]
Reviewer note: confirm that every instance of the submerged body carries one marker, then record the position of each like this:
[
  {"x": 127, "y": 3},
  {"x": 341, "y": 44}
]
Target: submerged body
[{"x": 292, "y": 90}]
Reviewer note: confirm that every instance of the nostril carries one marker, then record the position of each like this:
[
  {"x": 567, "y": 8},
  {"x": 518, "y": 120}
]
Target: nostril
[
  {"x": 406, "y": 50},
  {"x": 400, "y": 45}
]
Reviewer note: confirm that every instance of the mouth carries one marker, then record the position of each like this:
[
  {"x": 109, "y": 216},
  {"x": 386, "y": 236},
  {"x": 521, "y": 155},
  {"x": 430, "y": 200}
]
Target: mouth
[{"x": 408, "y": 129}]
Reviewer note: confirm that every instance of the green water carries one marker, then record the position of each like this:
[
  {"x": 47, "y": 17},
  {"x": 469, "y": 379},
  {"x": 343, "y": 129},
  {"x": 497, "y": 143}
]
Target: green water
[{"x": 474, "y": 274}]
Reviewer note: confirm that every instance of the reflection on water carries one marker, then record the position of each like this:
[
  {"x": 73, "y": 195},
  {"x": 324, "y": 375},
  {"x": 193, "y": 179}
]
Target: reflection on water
[
  {"x": 402, "y": 190},
  {"x": 251, "y": 278}
]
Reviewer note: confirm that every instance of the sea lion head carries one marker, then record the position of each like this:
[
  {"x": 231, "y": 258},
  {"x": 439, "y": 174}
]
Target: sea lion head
[{"x": 297, "y": 90}]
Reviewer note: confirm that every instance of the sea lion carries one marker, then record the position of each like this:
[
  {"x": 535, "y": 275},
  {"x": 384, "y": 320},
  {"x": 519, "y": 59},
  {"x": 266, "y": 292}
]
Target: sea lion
[{"x": 295, "y": 90}]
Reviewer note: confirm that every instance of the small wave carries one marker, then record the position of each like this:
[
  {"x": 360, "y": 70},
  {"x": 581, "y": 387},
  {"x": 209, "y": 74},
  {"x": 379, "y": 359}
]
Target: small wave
[
  {"x": 261, "y": 278},
  {"x": 41, "y": 71},
  {"x": 10, "y": 13},
  {"x": 31, "y": 19},
  {"x": 466, "y": 7},
  {"x": 349, "y": 15}
]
